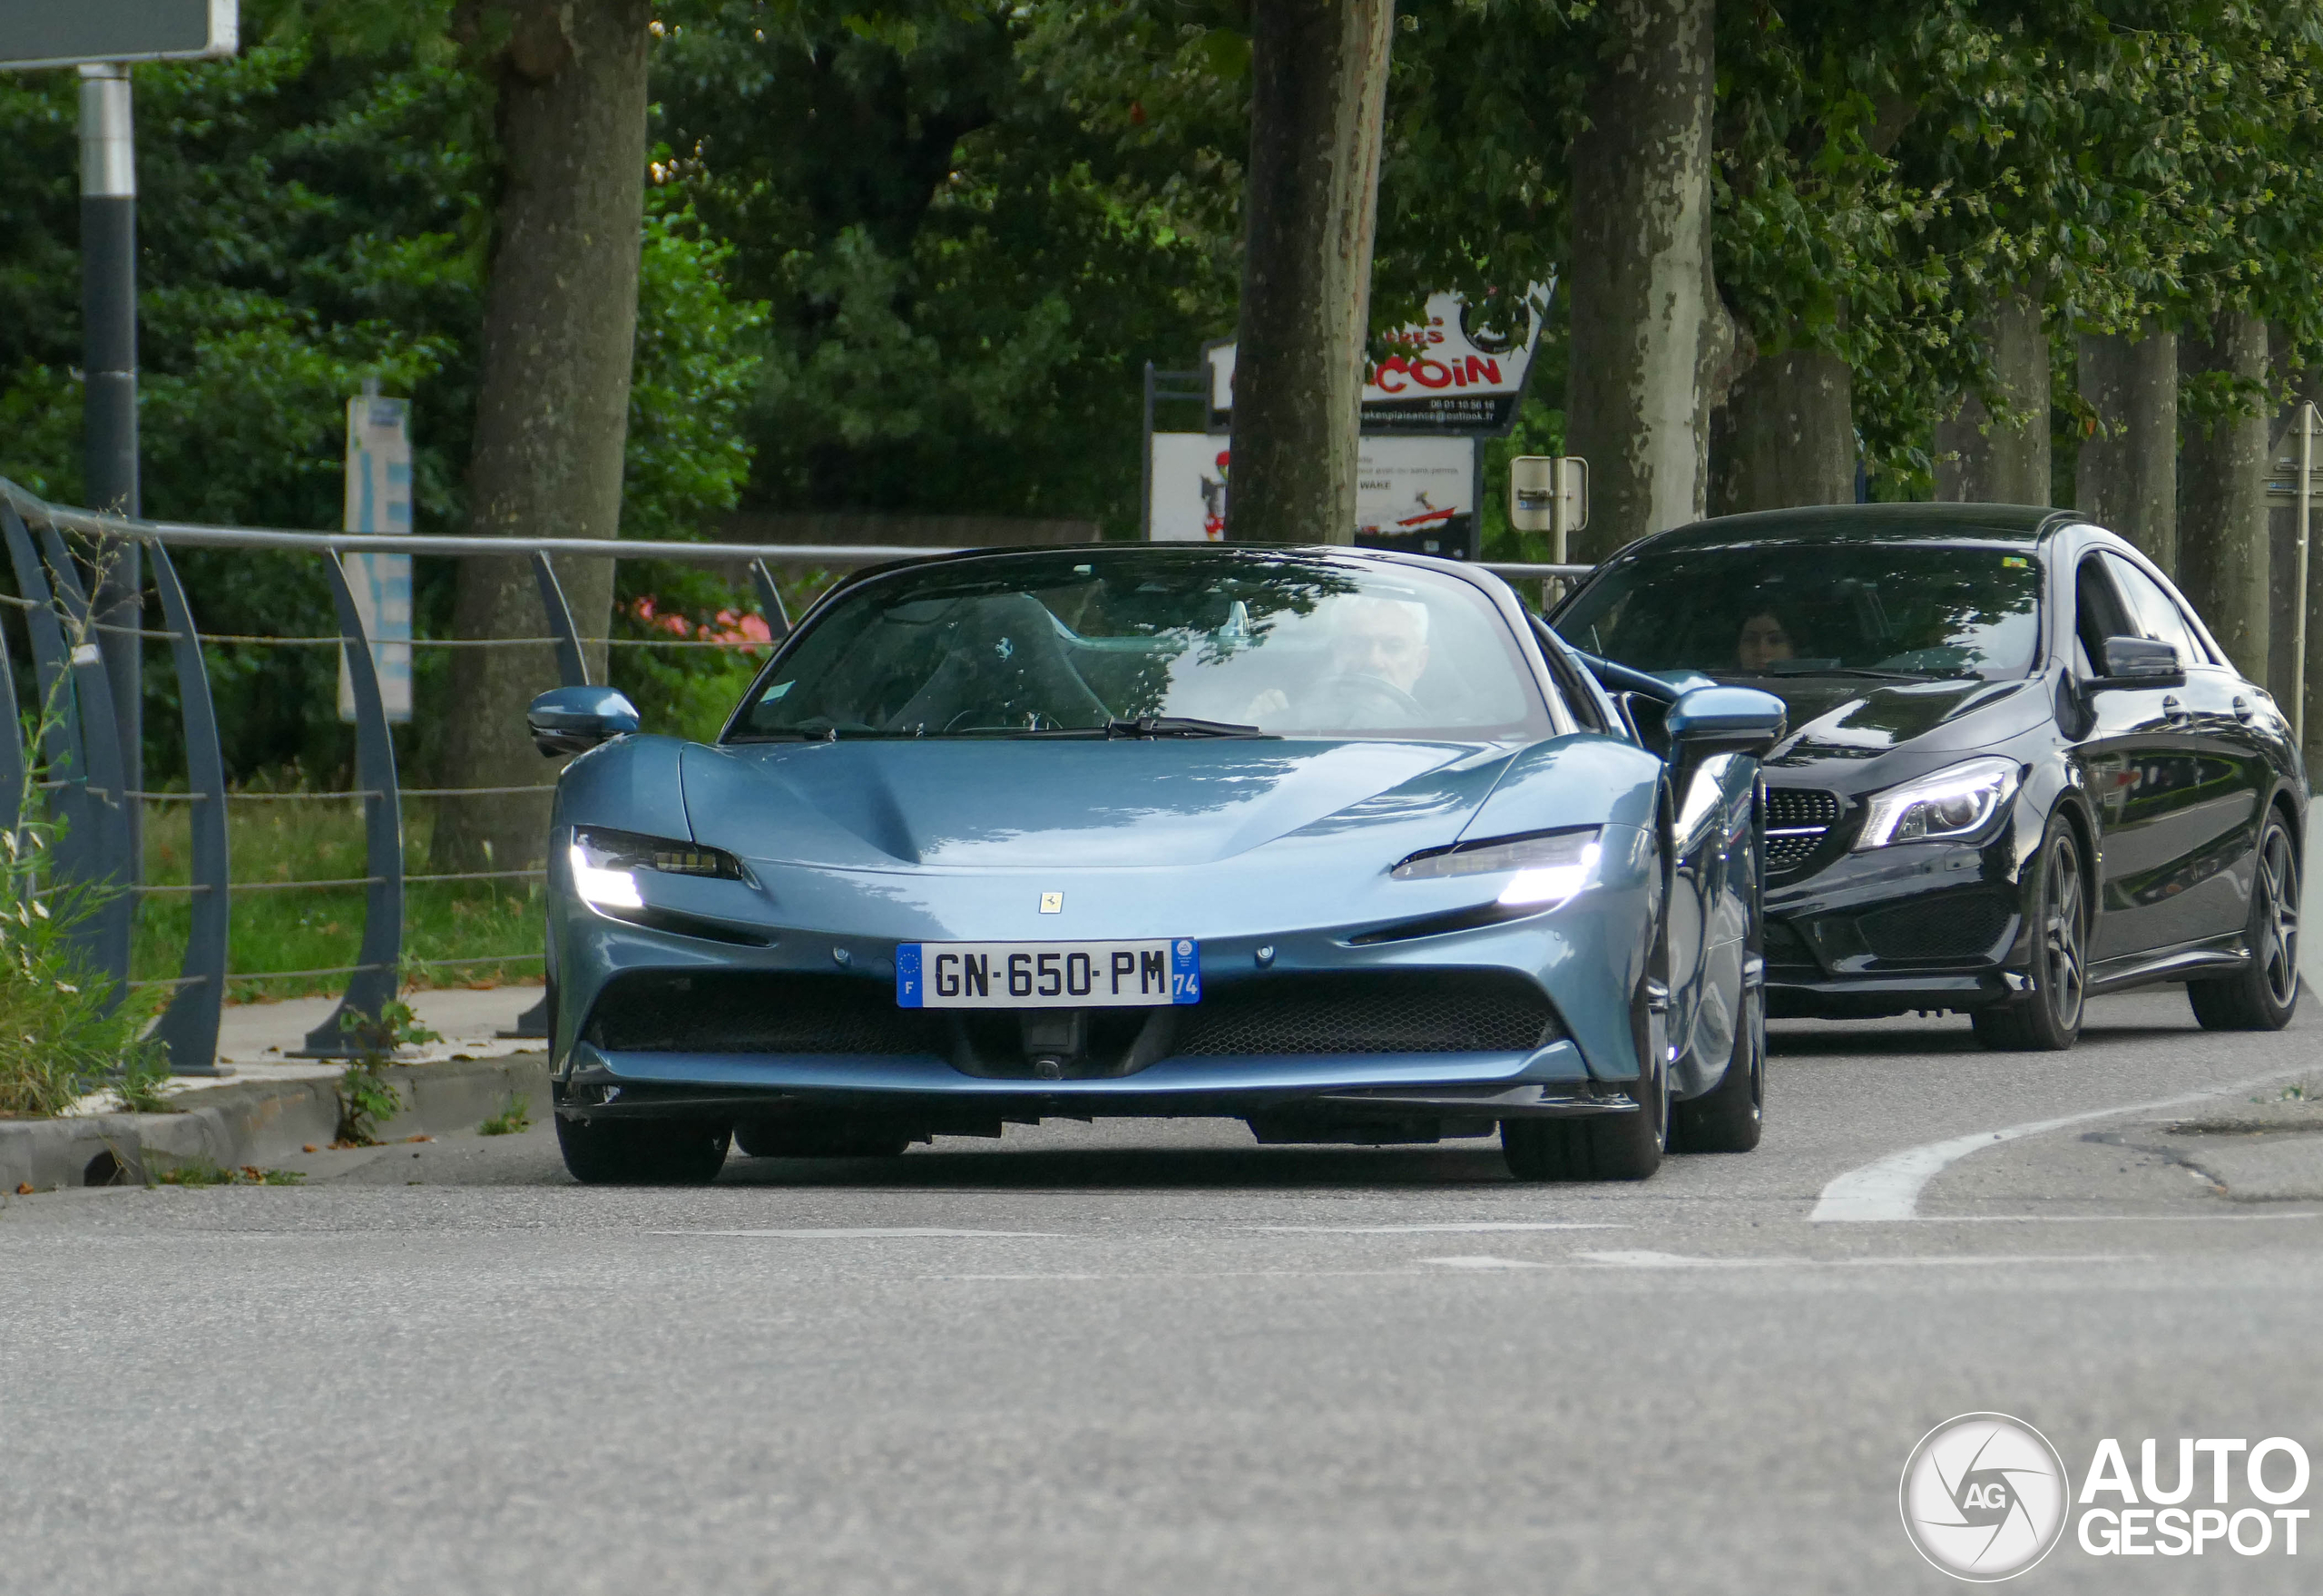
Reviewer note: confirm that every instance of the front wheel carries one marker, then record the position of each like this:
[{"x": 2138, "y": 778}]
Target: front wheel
[
  {"x": 1728, "y": 1116},
  {"x": 1604, "y": 1147},
  {"x": 2263, "y": 994},
  {"x": 642, "y": 1152},
  {"x": 2046, "y": 1018}
]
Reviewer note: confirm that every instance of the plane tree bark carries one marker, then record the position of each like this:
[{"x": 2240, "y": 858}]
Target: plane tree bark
[
  {"x": 1317, "y": 101},
  {"x": 553, "y": 401},
  {"x": 2223, "y": 541},
  {"x": 2127, "y": 477},
  {"x": 1648, "y": 337},
  {"x": 2002, "y": 459}
]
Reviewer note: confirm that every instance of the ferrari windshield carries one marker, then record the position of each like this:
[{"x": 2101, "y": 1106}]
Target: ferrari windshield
[
  {"x": 1153, "y": 641},
  {"x": 1910, "y": 611}
]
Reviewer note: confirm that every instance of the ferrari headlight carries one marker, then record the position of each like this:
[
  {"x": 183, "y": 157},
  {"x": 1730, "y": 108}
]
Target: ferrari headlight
[
  {"x": 1956, "y": 802},
  {"x": 605, "y": 864},
  {"x": 1544, "y": 870}
]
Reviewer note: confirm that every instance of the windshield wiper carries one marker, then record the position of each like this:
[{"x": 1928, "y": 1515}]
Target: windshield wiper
[
  {"x": 1155, "y": 726},
  {"x": 1872, "y": 671}
]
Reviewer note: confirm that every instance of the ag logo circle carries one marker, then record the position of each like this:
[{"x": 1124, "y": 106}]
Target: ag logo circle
[{"x": 1984, "y": 1497}]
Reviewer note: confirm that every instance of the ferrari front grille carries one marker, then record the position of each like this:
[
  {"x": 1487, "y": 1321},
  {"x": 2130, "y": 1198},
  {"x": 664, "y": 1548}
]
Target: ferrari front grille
[
  {"x": 1359, "y": 1011},
  {"x": 759, "y": 1011}
]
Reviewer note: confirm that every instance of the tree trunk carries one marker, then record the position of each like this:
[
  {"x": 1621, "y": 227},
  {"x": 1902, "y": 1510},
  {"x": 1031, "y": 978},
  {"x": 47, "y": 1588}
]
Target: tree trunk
[
  {"x": 2223, "y": 534},
  {"x": 1647, "y": 333},
  {"x": 1319, "y": 92},
  {"x": 1985, "y": 460},
  {"x": 553, "y": 400},
  {"x": 2127, "y": 479},
  {"x": 1784, "y": 436}
]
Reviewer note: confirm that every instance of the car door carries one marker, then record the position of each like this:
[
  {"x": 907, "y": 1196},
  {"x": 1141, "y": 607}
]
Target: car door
[
  {"x": 2139, "y": 754},
  {"x": 2213, "y": 816}
]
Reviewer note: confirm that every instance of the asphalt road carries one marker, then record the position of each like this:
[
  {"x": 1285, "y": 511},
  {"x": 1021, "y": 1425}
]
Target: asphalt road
[{"x": 1160, "y": 1358}]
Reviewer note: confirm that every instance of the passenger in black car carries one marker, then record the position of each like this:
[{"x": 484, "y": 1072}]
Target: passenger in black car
[{"x": 1764, "y": 640}]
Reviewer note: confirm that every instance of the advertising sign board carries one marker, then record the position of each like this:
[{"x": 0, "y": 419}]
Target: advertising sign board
[
  {"x": 1462, "y": 370},
  {"x": 379, "y": 499},
  {"x": 1414, "y": 493}
]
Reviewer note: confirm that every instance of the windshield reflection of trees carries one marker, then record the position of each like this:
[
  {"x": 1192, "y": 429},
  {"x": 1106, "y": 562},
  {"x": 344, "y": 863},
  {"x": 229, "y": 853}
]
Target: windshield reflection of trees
[
  {"x": 1918, "y": 611},
  {"x": 1052, "y": 643}
]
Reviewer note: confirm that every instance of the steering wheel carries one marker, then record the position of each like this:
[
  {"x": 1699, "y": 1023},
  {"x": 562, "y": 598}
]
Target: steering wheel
[{"x": 1347, "y": 701}]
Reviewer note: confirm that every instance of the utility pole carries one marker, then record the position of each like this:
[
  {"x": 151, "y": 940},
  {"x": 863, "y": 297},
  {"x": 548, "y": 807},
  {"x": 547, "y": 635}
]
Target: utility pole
[{"x": 109, "y": 336}]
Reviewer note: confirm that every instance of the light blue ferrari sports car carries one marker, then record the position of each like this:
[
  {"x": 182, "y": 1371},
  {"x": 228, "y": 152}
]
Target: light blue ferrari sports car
[{"x": 1341, "y": 844}]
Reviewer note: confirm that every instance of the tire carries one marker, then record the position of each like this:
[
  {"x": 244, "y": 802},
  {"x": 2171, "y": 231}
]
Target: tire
[
  {"x": 2263, "y": 994},
  {"x": 1602, "y": 1147},
  {"x": 773, "y": 1139},
  {"x": 1728, "y": 1116},
  {"x": 642, "y": 1152},
  {"x": 2047, "y": 1019}
]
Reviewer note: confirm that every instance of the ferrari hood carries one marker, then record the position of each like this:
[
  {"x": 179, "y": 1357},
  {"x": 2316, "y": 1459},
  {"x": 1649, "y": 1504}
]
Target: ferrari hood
[{"x": 1029, "y": 805}]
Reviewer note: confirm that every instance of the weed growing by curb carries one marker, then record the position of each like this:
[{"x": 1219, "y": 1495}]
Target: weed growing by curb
[
  {"x": 515, "y": 1115},
  {"x": 367, "y": 1098}
]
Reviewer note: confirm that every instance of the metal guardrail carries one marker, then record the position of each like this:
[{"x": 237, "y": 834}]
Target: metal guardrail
[{"x": 82, "y": 751}]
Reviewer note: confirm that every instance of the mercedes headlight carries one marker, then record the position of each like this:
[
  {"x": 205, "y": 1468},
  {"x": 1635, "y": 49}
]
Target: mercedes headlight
[
  {"x": 1953, "y": 804},
  {"x": 605, "y": 864},
  {"x": 1545, "y": 871}
]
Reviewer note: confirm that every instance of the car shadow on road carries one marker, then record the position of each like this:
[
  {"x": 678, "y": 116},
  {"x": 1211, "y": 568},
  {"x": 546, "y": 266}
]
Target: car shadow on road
[{"x": 1140, "y": 1168}]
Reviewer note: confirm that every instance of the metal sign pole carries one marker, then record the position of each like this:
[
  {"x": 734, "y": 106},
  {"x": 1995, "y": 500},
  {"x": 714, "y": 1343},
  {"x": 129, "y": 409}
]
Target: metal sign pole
[{"x": 109, "y": 336}]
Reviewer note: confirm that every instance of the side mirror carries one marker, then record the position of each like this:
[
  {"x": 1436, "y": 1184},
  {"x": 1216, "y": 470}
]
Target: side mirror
[
  {"x": 1724, "y": 720},
  {"x": 2140, "y": 661},
  {"x": 568, "y": 720}
]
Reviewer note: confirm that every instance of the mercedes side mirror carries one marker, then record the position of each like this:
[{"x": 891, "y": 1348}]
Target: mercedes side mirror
[
  {"x": 569, "y": 719},
  {"x": 2140, "y": 661},
  {"x": 1708, "y": 720}
]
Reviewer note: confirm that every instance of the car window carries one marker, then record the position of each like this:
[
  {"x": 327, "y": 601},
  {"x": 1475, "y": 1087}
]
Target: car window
[
  {"x": 1794, "y": 607},
  {"x": 2155, "y": 612},
  {"x": 1052, "y": 643},
  {"x": 2097, "y": 615}
]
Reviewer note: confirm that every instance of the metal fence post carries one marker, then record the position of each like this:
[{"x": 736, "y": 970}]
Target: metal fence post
[
  {"x": 572, "y": 664},
  {"x": 189, "y": 1026},
  {"x": 12, "y": 745},
  {"x": 81, "y": 749},
  {"x": 112, "y": 926},
  {"x": 373, "y": 986},
  {"x": 778, "y": 617}
]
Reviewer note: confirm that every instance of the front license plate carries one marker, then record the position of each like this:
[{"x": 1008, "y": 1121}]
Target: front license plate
[{"x": 1048, "y": 974}]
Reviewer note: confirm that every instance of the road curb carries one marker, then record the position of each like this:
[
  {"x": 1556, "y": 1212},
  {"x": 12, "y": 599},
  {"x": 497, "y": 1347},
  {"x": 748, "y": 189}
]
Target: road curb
[{"x": 255, "y": 1123}]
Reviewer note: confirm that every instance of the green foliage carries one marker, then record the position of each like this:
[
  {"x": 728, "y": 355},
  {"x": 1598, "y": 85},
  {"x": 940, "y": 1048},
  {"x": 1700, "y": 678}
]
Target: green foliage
[
  {"x": 367, "y": 1098},
  {"x": 515, "y": 1117}
]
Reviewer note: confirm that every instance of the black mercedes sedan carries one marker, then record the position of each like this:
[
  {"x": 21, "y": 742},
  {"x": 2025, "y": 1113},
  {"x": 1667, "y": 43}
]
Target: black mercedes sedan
[{"x": 2020, "y": 771}]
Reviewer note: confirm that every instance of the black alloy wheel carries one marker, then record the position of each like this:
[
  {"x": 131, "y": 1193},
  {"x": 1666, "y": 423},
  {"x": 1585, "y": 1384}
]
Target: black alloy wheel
[
  {"x": 2263, "y": 993},
  {"x": 2047, "y": 1018},
  {"x": 642, "y": 1152}
]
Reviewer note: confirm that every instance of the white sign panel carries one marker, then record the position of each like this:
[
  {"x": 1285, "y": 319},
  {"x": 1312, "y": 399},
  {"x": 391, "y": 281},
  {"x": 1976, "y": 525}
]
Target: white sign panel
[
  {"x": 1414, "y": 493},
  {"x": 379, "y": 499},
  {"x": 1462, "y": 371}
]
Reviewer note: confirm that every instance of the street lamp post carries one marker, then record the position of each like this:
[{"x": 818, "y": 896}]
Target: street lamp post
[{"x": 109, "y": 324}]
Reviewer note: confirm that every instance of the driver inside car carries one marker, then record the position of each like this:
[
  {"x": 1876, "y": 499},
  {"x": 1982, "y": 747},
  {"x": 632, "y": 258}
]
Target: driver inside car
[{"x": 1379, "y": 652}]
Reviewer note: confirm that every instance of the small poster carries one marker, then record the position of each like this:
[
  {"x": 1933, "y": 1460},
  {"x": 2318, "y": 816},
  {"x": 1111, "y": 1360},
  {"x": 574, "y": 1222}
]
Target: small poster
[
  {"x": 1418, "y": 495},
  {"x": 379, "y": 499}
]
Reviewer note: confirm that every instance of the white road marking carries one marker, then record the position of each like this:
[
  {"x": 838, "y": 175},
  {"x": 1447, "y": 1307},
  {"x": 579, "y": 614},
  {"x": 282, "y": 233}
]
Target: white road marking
[
  {"x": 1887, "y": 1191},
  {"x": 1460, "y": 1229},
  {"x": 2108, "y": 1219},
  {"x": 1487, "y": 1263},
  {"x": 1679, "y": 1260},
  {"x": 897, "y": 1232}
]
